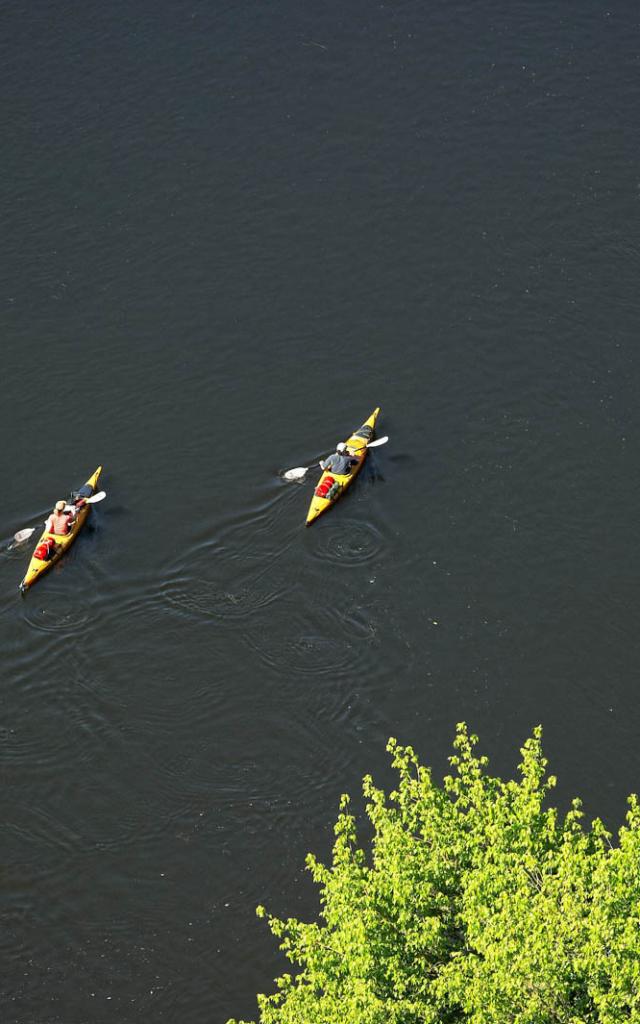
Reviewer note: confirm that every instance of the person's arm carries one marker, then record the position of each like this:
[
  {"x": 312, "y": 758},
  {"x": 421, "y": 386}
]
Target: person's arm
[
  {"x": 73, "y": 510},
  {"x": 48, "y": 524}
]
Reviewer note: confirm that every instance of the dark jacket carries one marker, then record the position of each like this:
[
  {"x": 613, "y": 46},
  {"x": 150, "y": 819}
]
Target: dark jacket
[{"x": 339, "y": 463}]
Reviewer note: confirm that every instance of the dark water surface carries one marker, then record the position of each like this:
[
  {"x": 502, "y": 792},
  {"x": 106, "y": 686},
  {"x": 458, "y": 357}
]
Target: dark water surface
[{"x": 229, "y": 232}]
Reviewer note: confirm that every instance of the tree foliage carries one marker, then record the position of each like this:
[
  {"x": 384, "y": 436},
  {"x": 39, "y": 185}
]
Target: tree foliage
[{"x": 476, "y": 902}]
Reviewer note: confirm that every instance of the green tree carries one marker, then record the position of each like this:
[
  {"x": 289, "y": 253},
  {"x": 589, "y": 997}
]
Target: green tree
[{"x": 475, "y": 903}]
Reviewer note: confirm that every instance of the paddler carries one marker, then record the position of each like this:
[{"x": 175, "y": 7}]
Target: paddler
[
  {"x": 341, "y": 462},
  {"x": 61, "y": 519}
]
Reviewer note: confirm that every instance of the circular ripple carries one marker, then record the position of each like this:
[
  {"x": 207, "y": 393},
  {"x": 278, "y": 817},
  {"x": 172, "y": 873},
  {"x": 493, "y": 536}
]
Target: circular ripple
[
  {"x": 305, "y": 654},
  {"x": 55, "y": 610},
  {"x": 242, "y": 555},
  {"x": 350, "y": 543},
  {"x": 204, "y": 599}
]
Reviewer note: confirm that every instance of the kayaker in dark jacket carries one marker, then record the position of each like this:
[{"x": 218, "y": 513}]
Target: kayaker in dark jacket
[{"x": 341, "y": 462}]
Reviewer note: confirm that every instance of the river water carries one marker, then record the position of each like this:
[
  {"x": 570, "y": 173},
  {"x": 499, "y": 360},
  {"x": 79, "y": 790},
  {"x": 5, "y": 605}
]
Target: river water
[{"x": 230, "y": 232}]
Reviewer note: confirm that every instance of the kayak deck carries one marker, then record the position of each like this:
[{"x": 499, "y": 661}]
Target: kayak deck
[
  {"x": 38, "y": 566},
  {"x": 357, "y": 445}
]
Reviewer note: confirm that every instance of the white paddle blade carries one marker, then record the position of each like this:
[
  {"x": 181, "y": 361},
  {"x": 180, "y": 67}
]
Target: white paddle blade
[
  {"x": 88, "y": 501},
  {"x": 100, "y": 496},
  {"x": 23, "y": 535},
  {"x": 295, "y": 474},
  {"x": 369, "y": 444}
]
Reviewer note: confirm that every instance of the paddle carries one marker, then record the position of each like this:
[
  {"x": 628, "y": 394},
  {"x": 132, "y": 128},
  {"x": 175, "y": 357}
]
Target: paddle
[
  {"x": 299, "y": 471},
  {"x": 23, "y": 535}
]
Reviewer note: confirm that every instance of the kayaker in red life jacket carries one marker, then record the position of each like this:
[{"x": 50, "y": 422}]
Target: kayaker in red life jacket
[
  {"x": 62, "y": 517},
  {"x": 341, "y": 462}
]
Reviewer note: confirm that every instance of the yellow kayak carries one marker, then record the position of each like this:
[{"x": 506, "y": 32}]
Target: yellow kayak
[
  {"x": 58, "y": 543},
  {"x": 332, "y": 486}
]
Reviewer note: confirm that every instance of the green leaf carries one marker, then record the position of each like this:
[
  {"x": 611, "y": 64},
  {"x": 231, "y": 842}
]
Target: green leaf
[{"x": 473, "y": 901}]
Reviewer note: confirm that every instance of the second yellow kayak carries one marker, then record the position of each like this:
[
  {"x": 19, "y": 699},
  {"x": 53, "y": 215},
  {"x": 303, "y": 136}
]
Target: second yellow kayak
[{"x": 332, "y": 486}]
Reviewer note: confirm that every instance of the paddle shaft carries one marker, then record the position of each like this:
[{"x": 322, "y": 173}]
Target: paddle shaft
[
  {"x": 23, "y": 535},
  {"x": 301, "y": 470}
]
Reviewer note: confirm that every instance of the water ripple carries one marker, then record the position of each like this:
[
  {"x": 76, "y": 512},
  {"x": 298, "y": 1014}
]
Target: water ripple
[
  {"x": 54, "y": 609},
  {"x": 342, "y": 644},
  {"x": 209, "y": 599},
  {"x": 223, "y": 578},
  {"x": 305, "y": 653},
  {"x": 353, "y": 542}
]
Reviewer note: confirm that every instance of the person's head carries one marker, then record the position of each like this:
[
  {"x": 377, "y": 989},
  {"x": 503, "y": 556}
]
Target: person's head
[
  {"x": 341, "y": 447},
  {"x": 60, "y": 506}
]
